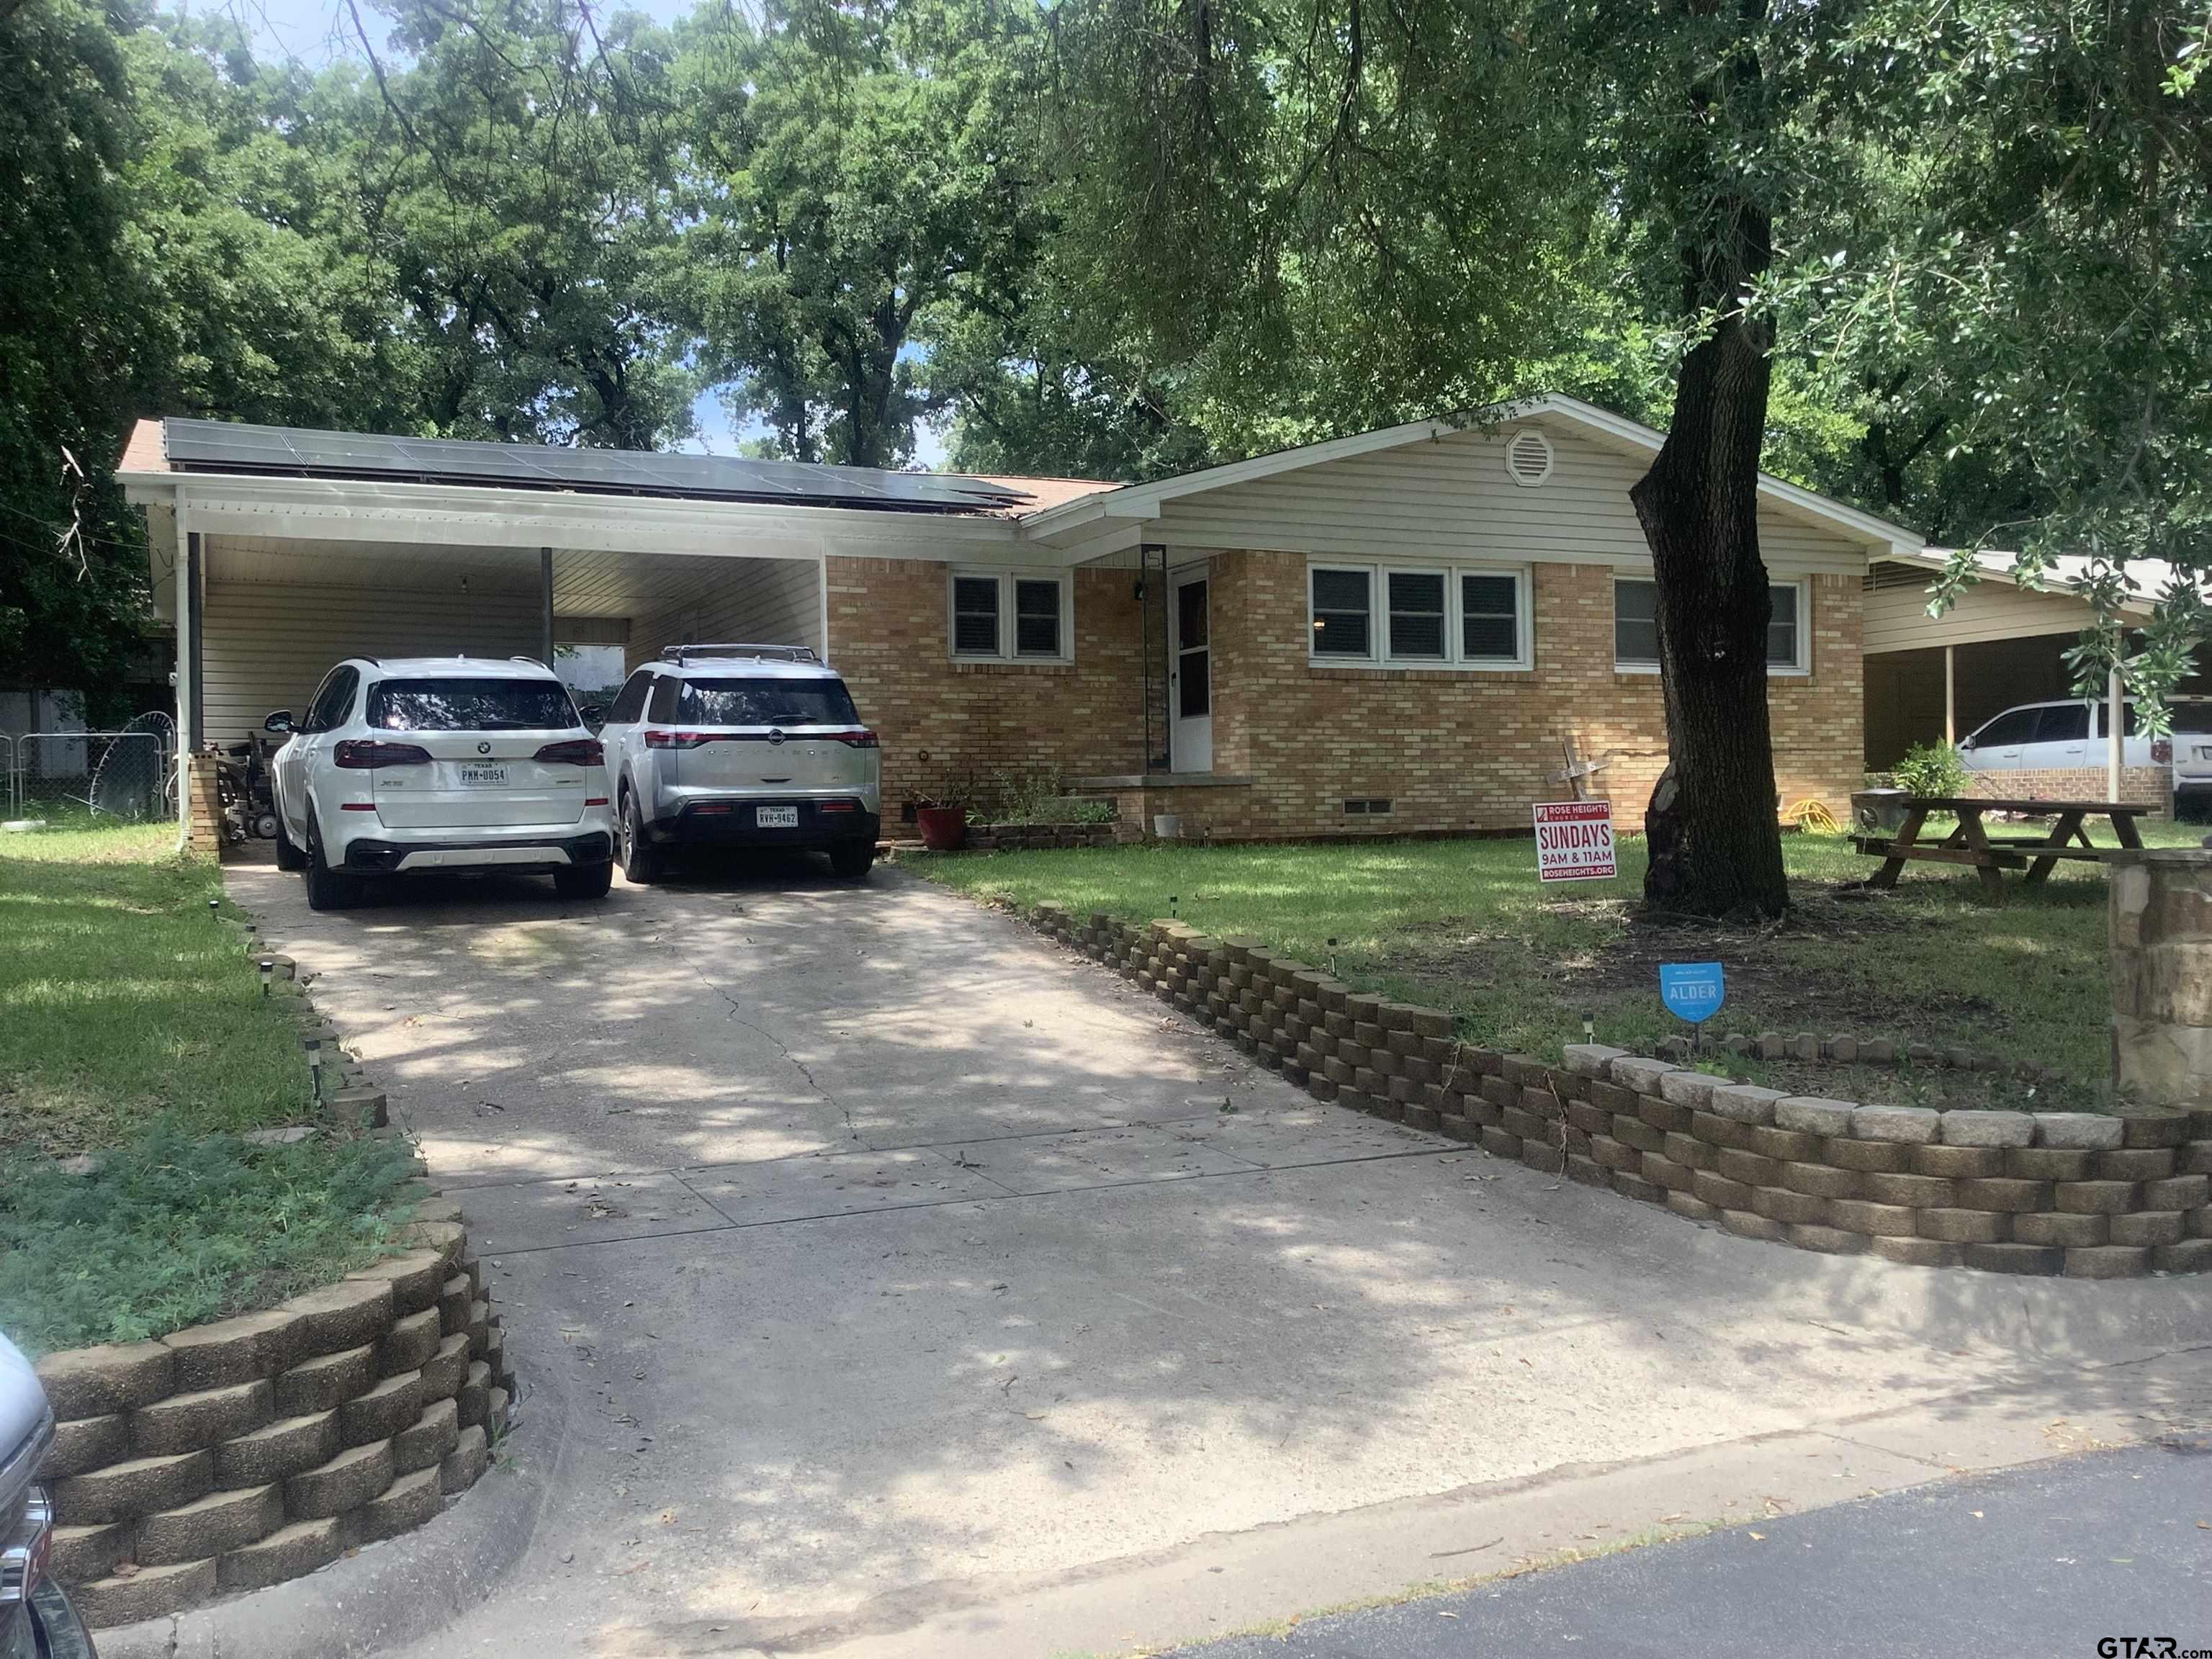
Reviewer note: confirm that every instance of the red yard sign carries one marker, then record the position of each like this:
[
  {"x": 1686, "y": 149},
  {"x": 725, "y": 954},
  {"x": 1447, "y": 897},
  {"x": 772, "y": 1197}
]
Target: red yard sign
[{"x": 1574, "y": 840}]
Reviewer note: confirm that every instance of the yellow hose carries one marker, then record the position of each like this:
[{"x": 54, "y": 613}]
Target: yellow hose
[{"x": 1812, "y": 813}]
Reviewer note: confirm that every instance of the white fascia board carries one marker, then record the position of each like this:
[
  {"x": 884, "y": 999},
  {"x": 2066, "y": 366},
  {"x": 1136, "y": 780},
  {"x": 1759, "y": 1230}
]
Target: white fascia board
[{"x": 446, "y": 514}]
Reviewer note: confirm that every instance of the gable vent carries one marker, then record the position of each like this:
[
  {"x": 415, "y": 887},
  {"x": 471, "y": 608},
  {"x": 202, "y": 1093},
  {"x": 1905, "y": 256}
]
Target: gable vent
[{"x": 1529, "y": 457}]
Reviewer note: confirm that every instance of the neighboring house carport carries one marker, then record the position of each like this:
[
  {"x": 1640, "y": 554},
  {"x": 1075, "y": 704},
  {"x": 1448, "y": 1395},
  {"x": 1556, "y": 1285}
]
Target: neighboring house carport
[{"x": 1932, "y": 679}]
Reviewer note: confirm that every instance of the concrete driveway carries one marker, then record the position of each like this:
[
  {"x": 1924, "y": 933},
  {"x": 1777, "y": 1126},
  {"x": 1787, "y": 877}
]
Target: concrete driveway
[{"x": 883, "y": 1279}]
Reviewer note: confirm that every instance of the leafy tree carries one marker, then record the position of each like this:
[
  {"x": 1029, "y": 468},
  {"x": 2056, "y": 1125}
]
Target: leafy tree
[
  {"x": 519, "y": 182},
  {"x": 857, "y": 187},
  {"x": 70, "y": 589},
  {"x": 256, "y": 293},
  {"x": 2029, "y": 290}
]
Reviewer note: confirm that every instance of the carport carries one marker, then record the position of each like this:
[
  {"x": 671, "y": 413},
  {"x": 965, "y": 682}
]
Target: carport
[{"x": 275, "y": 553}]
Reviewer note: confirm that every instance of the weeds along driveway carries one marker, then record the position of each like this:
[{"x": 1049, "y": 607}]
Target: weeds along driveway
[{"x": 880, "y": 1259}]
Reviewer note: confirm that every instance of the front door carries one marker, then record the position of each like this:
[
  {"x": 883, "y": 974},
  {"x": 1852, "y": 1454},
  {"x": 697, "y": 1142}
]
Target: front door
[{"x": 1190, "y": 677}]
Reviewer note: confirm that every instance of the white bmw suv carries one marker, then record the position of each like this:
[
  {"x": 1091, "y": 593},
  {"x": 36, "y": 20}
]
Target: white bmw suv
[{"x": 440, "y": 764}]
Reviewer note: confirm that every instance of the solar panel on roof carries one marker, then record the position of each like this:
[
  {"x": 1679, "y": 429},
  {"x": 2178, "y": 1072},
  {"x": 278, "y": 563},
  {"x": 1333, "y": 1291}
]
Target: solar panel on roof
[{"x": 226, "y": 446}]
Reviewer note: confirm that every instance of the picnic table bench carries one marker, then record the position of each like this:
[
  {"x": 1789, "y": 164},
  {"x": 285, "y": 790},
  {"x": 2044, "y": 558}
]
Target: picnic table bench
[{"x": 1971, "y": 843}]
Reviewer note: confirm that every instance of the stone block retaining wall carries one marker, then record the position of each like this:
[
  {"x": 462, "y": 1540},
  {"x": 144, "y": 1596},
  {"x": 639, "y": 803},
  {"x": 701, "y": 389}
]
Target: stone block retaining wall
[
  {"x": 237, "y": 1455},
  {"x": 2088, "y": 1195}
]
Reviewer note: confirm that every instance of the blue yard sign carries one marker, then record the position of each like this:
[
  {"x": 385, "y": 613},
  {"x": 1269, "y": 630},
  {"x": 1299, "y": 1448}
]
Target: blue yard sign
[{"x": 1691, "y": 990}]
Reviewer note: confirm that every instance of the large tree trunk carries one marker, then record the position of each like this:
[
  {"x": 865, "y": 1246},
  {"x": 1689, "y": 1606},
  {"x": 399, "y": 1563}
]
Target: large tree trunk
[{"x": 1715, "y": 841}]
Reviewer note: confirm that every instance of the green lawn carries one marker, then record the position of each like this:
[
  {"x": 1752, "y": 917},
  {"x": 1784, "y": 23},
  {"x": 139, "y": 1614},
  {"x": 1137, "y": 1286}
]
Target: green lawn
[
  {"x": 121, "y": 996},
  {"x": 1463, "y": 925},
  {"x": 133, "y": 1026}
]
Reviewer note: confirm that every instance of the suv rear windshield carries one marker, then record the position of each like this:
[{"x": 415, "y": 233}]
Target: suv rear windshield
[
  {"x": 463, "y": 705},
  {"x": 729, "y": 701}
]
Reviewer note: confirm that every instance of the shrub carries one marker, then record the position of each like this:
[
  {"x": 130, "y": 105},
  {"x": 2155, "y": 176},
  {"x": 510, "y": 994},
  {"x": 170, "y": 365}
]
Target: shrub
[
  {"x": 1932, "y": 768},
  {"x": 1039, "y": 796},
  {"x": 175, "y": 1229}
]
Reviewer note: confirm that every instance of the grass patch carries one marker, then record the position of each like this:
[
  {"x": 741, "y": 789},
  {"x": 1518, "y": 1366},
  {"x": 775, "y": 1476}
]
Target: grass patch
[
  {"x": 1464, "y": 925},
  {"x": 133, "y": 1026},
  {"x": 122, "y": 997},
  {"x": 177, "y": 1228}
]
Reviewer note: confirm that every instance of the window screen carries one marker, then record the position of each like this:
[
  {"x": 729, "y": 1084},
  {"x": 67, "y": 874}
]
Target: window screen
[
  {"x": 1489, "y": 618},
  {"x": 1417, "y": 614},
  {"x": 1782, "y": 627},
  {"x": 975, "y": 616},
  {"x": 765, "y": 701},
  {"x": 466, "y": 705},
  {"x": 1037, "y": 618},
  {"x": 1636, "y": 622},
  {"x": 1341, "y": 603}
]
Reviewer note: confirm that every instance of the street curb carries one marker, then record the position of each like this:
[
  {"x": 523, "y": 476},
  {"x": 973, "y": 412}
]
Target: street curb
[{"x": 389, "y": 1593}]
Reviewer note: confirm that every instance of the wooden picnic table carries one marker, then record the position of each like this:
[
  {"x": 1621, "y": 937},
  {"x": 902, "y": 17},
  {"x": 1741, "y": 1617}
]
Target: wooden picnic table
[{"x": 1971, "y": 843}]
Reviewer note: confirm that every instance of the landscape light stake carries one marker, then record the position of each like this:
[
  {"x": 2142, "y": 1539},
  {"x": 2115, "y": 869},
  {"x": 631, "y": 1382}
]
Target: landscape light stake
[
  {"x": 268, "y": 974},
  {"x": 214, "y": 907},
  {"x": 1590, "y": 1028},
  {"x": 314, "y": 1046}
]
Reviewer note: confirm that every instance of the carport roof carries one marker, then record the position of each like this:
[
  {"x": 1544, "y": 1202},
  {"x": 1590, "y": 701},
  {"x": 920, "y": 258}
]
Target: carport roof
[{"x": 231, "y": 448}]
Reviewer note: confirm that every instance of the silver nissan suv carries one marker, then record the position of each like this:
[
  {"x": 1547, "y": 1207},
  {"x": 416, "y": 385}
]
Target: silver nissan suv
[{"x": 741, "y": 745}]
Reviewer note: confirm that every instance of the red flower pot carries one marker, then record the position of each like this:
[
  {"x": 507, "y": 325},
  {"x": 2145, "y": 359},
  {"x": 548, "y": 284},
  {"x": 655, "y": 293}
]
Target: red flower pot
[{"x": 943, "y": 828}]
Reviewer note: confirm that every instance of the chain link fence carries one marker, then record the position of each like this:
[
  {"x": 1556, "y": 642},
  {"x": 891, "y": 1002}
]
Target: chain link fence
[{"x": 130, "y": 775}]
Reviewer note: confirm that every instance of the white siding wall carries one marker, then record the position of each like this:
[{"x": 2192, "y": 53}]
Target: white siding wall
[
  {"x": 1452, "y": 499},
  {"x": 1897, "y": 618},
  {"x": 758, "y": 601},
  {"x": 269, "y": 644}
]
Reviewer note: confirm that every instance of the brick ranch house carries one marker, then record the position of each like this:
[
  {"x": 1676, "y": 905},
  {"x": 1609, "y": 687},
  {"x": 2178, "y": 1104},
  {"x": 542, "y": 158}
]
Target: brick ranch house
[{"x": 1403, "y": 631}]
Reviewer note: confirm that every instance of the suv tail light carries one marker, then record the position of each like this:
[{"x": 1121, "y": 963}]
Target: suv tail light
[
  {"x": 361, "y": 754},
  {"x": 656, "y": 739},
  {"x": 574, "y": 751},
  {"x": 862, "y": 738}
]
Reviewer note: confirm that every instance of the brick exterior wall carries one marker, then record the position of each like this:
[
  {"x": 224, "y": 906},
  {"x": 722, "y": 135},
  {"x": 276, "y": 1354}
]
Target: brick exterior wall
[
  {"x": 2140, "y": 785},
  {"x": 1454, "y": 751},
  {"x": 942, "y": 722},
  {"x": 1465, "y": 750}
]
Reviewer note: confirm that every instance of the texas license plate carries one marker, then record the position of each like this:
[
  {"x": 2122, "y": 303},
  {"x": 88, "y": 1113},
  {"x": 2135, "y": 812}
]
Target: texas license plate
[
  {"x": 474, "y": 776},
  {"x": 776, "y": 817}
]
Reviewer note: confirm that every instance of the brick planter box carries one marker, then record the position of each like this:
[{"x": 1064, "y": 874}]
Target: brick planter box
[
  {"x": 237, "y": 1455},
  {"x": 2086, "y": 1195}
]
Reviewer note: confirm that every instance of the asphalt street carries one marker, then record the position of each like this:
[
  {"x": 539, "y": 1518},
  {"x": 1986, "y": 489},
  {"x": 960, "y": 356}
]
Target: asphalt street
[{"x": 2053, "y": 1559}]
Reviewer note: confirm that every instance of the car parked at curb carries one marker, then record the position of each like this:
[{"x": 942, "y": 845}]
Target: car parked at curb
[
  {"x": 36, "y": 1618},
  {"x": 742, "y": 745},
  {"x": 447, "y": 763}
]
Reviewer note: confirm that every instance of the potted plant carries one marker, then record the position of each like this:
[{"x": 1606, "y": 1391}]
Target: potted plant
[{"x": 941, "y": 817}]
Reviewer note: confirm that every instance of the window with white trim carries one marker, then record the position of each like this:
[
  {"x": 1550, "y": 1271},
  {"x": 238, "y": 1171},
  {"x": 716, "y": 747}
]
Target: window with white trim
[
  {"x": 1343, "y": 607},
  {"x": 1636, "y": 626},
  {"x": 1417, "y": 629},
  {"x": 1012, "y": 615},
  {"x": 1388, "y": 616}
]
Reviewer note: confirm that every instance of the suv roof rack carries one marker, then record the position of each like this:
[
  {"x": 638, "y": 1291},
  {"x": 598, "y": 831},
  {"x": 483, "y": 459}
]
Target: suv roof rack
[
  {"x": 533, "y": 661},
  {"x": 675, "y": 653}
]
